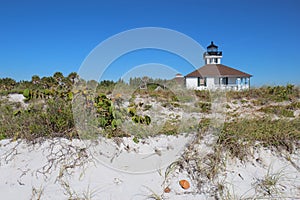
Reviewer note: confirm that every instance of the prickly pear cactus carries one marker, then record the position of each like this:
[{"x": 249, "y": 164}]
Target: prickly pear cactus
[{"x": 27, "y": 94}]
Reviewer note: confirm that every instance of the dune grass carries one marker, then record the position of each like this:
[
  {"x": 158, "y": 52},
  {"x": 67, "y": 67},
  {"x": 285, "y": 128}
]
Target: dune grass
[
  {"x": 237, "y": 136},
  {"x": 53, "y": 117}
]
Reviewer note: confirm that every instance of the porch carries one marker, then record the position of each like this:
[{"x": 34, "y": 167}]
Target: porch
[{"x": 222, "y": 83}]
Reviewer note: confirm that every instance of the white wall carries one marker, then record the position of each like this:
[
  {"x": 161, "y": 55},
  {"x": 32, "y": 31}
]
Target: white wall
[
  {"x": 191, "y": 82},
  {"x": 210, "y": 82},
  {"x": 207, "y": 59},
  {"x": 217, "y": 82},
  {"x": 213, "y": 83}
]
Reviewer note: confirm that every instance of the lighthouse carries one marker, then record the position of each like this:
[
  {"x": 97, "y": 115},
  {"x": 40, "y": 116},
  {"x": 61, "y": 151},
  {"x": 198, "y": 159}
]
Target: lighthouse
[
  {"x": 214, "y": 75},
  {"x": 212, "y": 55}
]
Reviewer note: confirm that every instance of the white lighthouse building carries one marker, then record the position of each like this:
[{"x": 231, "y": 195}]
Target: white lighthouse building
[
  {"x": 212, "y": 55},
  {"x": 214, "y": 75}
]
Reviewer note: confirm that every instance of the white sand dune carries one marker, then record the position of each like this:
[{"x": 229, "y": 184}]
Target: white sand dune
[
  {"x": 119, "y": 168},
  {"x": 63, "y": 169}
]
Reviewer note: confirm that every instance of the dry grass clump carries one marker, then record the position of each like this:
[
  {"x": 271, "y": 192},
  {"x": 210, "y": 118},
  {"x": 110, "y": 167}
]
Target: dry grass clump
[
  {"x": 203, "y": 95},
  {"x": 267, "y": 93},
  {"x": 294, "y": 105},
  {"x": 205, "y": 107},
  {"x": 238, "y": 135},
  {"x": 280, "y": 111},
  {"x": 270, "y": 185}
]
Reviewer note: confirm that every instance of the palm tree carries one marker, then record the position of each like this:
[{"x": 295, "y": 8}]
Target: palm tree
[
  {"x": 35, "y": 79},
  {"x": 7, "y": 83},
  {"x": 48, "y": 82},
  {"x": 58, "y": 76},
  {"x": 73, "y": 76}
]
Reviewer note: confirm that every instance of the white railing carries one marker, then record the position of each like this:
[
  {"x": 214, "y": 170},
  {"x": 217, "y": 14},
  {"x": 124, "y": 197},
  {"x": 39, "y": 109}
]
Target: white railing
[{"x": 234, "y": 87}]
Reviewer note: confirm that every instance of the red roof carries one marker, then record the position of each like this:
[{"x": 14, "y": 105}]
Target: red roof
[{"x": 217, "y": 70}]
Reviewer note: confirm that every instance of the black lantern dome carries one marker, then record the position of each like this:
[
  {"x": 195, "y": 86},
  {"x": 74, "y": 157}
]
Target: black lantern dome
[
  {"x": 212, "y": 49},
  {"x": 212, "y": 55}
]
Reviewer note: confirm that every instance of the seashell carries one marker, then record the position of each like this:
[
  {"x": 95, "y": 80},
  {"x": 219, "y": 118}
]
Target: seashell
[
  {"x": 167, "y": 190},
  {"x": 184, "y": 184}
]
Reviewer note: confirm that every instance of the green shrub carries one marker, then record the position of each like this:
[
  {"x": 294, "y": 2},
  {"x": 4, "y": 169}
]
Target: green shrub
[
  {"x": 278, "y": 110},
  {"x": 27, "y": 94},
  {"x": 243, "y": 101},
  {"x": 267, "y": 93},
  {"x": 132, "y": 111},
  {"x": 141, "y": 120},
  {"x": 294, "y": 106},
  {"x": 204, "y": 124},
  {"x": 2, "y": 136},
  {"x": 105, "y": 110},
  {"x": 147, "y": 107},
  {"x": 136, "y": 140},
  {"x": 169, "y": 128},
  {"x": 36, "y": 121},
  {"x": 111, "y": 118},
  {"x": 237, "y": 136},
  {"x": 204, "y": 106},
  {"x": 235, "y": 102},
  {"x": 60, "y": 116},
  {"x": 203, "y": 95}
]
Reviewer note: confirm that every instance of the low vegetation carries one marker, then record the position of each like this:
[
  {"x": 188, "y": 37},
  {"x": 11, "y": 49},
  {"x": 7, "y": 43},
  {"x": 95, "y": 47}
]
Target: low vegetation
[
  {"x": 237, "y": 136},
  {"x": 280, "y": 111},
  {"x": 266, "y": 94},
  {"x": 261, "y": 117},
  {"x": 50, "y": 118},
  {"x": 49, "y": 111}
]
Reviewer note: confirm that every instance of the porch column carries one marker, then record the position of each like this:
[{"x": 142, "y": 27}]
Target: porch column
[
  {"x": 249, "y": 83},
  {"x": 239, "y": 80}
]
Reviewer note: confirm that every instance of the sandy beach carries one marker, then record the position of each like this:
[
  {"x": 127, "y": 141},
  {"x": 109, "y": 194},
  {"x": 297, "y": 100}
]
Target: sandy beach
[{"x": 64, "y": 169}]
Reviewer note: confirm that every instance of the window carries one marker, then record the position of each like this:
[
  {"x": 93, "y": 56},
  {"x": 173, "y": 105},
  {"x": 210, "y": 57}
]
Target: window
[
  {"x": 216, "y": 60},
  {"x": 201, "y": 81},
  {"x": 225, "y": 81}
]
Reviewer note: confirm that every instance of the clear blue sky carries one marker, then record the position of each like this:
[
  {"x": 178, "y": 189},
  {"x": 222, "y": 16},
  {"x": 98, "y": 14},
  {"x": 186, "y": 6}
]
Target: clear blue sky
[{"x": 260, "y": 37}]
